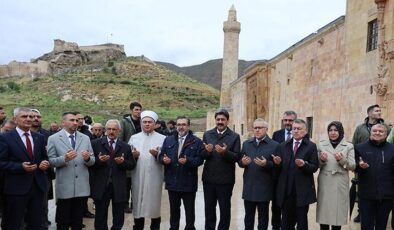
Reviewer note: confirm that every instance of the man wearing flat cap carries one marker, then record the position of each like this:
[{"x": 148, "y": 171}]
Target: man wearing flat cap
[{"x": 147, "y": 177}]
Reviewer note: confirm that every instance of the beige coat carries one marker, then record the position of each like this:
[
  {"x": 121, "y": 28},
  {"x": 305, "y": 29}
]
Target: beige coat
[{"x": 333, "y": 183}]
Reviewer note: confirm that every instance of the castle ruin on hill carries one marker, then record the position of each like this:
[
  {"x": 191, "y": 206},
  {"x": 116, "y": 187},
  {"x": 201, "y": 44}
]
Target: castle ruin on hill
[{"x": 64, "y": 57}]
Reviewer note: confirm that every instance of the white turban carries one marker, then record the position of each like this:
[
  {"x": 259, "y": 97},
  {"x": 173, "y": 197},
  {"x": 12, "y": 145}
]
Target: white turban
[{"x": 149, "y": 113}]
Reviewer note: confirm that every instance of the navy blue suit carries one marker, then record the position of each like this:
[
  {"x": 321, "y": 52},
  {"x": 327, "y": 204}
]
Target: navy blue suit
[
  {"x": 279, "y": 135},
  {"x": 181, "y": 180},
  {"x": 24, "y": 190}
]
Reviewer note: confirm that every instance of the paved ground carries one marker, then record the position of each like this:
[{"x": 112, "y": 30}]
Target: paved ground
[{"x": 237, "y": 212}]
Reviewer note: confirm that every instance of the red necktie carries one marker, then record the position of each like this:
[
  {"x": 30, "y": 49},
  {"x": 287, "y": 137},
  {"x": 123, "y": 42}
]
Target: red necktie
[
  {"x": 111, "y": 148},
  {"x": 28, "y": 146},
  {"x": 296, "y": 145}
]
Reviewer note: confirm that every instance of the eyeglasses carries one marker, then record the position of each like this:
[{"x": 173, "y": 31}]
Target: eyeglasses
[
  {"x": 26, "y": 116},
  {"x": 183, "y": 124},
  {"x": 297, "y": 128},
  {"x": 259, "y": 127},
  {"x": 288, "y": 120}
]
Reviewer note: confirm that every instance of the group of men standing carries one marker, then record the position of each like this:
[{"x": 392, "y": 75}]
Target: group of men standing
[{"x": 132, "y": 156}]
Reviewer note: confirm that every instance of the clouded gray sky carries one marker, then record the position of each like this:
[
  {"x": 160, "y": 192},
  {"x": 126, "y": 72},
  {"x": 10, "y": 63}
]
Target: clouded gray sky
[{"x": 182, "y": 32}]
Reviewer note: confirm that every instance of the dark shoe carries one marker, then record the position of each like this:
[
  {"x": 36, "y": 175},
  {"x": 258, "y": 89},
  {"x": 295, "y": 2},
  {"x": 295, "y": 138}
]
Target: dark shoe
[
  {"x": 128, "y": 210},
  {"x": 88, "y": 215},
  {"x": 357, "y": 219}
]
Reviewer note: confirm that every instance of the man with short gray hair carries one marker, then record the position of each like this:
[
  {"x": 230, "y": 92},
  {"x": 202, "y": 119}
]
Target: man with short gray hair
[
  {"x": 258, "y": 180},
  {"x": 23, "y": 158},
  {"x": 112, "y": 159},
  {"x": 296, "y": 160}
]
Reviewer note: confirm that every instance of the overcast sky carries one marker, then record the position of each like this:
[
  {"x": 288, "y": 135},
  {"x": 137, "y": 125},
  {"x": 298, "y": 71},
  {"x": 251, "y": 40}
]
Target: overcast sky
[{"x": 182, "y": 32}]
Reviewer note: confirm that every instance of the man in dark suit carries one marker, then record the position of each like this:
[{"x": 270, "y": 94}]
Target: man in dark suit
[
  {"x": 181, "y": 156},
  {"x": 50, "y": 173},
  {"x": 23, "y": 158},
  {"x": 284, "y": 134},
  {"x": 296, "y": 160},
  {"x": 222, "y": 149},
  {"x": 280, "y": 136},
  {"x": 257, "y": 162},
  {"x": 113, "y": 158}
]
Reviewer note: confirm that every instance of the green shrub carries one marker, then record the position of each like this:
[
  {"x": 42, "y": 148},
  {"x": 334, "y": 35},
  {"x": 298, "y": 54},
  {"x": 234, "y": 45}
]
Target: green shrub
[{"x": 13, "y": 86}]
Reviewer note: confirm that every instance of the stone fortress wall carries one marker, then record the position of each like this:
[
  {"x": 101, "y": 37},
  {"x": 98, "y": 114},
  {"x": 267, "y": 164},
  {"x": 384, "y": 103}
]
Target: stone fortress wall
[{"x": 65, "y": 56}]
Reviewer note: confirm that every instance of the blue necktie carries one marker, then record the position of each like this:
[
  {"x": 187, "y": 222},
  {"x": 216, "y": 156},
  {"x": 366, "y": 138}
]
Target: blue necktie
[{"x": 72, "y": 141}]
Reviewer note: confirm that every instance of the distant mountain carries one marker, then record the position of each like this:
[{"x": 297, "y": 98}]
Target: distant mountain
[{"x": 209, "y": 72}]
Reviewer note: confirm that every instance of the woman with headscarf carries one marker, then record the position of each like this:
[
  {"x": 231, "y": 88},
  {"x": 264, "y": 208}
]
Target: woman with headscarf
[{"x": 336, "y": 158}]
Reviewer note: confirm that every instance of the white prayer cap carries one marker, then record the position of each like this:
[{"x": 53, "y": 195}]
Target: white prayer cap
[{"x": 149, "y": 113}]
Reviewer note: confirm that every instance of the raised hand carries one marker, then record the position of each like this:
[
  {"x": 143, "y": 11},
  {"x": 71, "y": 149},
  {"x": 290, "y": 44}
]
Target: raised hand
[
  {"x": 221, "y": 150},
  {"x": 260, "y": 161},
  {"x": 44, "y": 165},
  {"x": 246, "y": 160},
  {"x": 103, "y": 157},
  {"x": 70, "y": 155},
  {"x": 323, "y": 156},
  {"x": 135, "y": 153},
  {"x": 166, "y": 159},
  {"x": 338, "y": 156},
  {"x": 28, "y": 167},
  {"x": 85, "y": 155},
  {"x": 299, "y": 162},
  {"x": 119, "y": 160},
  {"x": 208, "y": 147},
  {"x": 362, "y": 164},
  {"x": 277, "y": 160},
  {"x": 182, "y": 160},
  {"x": 154, "y": 151}
]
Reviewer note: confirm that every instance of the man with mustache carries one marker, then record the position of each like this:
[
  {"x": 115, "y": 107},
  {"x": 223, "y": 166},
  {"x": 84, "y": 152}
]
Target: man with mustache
[
  {"x": 181, "y": 156},
  {"x": 221, "y": 152}
]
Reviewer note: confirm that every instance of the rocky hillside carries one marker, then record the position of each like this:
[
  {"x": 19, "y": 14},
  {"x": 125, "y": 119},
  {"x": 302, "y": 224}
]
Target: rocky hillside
[
  {"x": 106, "y": 91},
  {"x": 209, "y": 72}
]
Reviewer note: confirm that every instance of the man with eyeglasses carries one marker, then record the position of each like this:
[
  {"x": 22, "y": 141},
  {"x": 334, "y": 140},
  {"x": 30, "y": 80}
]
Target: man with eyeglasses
[
  {"x": 296, "y": 160},
  {"x": 221, "y": 152},
  {"x": 181, "y": 157},
  {"x": 280, "y": 136},
  {"x": 258, "y": 182}
]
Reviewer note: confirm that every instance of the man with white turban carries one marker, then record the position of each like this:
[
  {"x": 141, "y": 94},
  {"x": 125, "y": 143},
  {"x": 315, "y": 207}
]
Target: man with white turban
[{"x": 147, "y": 177}]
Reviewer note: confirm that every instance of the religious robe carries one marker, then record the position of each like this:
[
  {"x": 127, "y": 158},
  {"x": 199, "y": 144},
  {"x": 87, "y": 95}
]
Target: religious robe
[{"x": 147, "y": 177}]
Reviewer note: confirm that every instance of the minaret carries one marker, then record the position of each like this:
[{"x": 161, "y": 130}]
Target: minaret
[{"x": 231, "y": 29}]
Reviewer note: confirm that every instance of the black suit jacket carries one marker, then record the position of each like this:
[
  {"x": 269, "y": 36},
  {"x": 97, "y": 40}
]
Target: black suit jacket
[
  {"x": 12, "y": 153},
  {"x": 303, "y": 176},
  {"x": 101, "y": 170},
  {"x": 279, "y": 135}
]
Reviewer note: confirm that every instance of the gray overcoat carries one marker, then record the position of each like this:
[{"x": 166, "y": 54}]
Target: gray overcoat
[{"x": 72, "y": 177}]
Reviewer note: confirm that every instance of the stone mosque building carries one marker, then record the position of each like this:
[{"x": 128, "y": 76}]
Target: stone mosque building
[{"x": 332, "y": 74}]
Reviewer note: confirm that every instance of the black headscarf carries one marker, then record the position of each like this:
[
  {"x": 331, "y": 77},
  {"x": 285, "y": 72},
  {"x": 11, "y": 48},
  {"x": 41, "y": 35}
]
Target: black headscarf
[{"x": 339, "y": 127}]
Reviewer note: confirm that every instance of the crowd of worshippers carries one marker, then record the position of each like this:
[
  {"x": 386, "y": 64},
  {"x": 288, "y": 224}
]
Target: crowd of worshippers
[{"x": 126, "y": 162}]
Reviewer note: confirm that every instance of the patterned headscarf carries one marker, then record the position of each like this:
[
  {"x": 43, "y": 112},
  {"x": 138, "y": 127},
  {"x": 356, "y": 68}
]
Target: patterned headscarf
[{"x": 339, "y": 127}]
